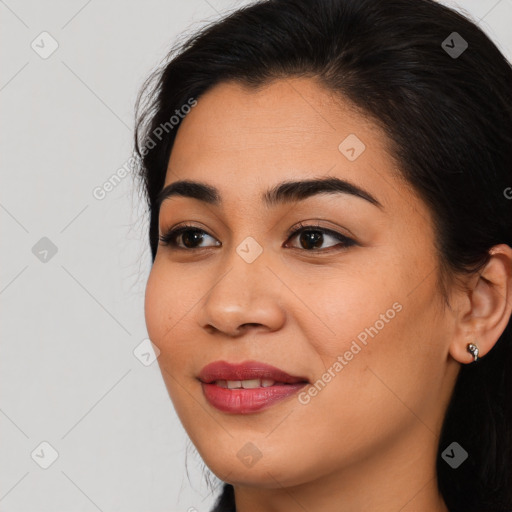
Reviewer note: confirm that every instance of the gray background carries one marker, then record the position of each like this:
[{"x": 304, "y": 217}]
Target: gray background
[{"x": 71, "y": 319}]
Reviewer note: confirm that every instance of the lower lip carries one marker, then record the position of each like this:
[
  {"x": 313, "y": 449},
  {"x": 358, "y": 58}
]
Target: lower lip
[{"x": 246, "y": 401}]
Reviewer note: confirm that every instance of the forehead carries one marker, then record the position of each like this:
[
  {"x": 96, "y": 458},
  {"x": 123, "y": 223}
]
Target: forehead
[{"x": 286, "y": 113}]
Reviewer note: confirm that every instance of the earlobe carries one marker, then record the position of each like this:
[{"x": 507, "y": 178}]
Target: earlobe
[
  {"x": 490, "y": 307},
  {"x": 466, "y": 352}
]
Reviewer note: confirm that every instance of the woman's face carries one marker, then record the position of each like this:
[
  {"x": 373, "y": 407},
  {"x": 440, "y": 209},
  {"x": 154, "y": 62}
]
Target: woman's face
[{"x": 361, "y": 320}]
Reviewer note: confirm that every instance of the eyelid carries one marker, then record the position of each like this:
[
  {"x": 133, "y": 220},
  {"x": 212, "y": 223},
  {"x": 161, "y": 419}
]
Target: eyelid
[
  {"x": 169, "y": 235},
  {"x": 297, "y": 229},
  {"x": 172, "y": 233}
]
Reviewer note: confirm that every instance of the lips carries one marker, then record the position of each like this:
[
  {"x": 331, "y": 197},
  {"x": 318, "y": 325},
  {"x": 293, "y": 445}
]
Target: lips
[
  {"x": 247, "y": 387},
  {"x": 248, "y": 370}
]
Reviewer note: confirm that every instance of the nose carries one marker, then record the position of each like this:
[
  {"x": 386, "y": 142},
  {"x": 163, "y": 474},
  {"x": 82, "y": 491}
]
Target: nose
[{"x": 246, "y": 296}]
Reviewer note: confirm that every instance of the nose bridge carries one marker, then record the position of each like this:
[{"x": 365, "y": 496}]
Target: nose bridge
[{"x": 244, "y": 294}]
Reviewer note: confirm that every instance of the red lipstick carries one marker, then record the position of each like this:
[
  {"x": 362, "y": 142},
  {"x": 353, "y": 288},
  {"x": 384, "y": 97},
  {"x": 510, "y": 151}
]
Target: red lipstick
[{"x": 247, "y": 387}]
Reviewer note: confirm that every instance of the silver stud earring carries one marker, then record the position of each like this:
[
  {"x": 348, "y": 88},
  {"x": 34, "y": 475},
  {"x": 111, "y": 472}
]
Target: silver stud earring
[{"x": 473, "y": 350}]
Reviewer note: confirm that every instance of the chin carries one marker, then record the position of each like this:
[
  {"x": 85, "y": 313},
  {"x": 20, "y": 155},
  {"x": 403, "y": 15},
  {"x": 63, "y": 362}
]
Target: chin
[{"x": 272, "y": 472}]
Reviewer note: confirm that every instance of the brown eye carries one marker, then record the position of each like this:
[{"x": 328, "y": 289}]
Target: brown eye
[
  {"x": 312, "y": 237},
  {"x": 191, "y": 236}
]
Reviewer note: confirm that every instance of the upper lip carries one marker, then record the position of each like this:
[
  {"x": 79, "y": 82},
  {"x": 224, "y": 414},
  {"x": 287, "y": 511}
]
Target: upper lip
[{"x": 222, "y": 370}]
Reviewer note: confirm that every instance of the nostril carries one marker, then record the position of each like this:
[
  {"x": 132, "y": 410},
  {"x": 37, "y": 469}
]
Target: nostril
[{"x": 251, "y": 324}]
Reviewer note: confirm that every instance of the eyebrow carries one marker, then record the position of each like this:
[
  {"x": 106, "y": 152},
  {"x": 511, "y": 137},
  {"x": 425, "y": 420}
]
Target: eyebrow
[{"x": 286, "y": 191}]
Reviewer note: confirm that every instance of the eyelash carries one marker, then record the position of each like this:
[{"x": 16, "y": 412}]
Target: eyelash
[{"x": 169, "y": 237}]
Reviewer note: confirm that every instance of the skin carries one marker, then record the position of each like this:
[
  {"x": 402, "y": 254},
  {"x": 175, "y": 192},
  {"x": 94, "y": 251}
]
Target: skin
[{"x": 368, "y": 439}]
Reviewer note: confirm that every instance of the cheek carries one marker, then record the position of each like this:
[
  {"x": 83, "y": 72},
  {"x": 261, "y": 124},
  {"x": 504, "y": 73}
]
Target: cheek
[
  {"x": 171, "y": 301},
  {"x": 165, "y": 310},
  {"x": 391, "y": 370},
  {"x": 169, "y": 296},
  {"x": 164, "y": 306},
  {"x": 373, "y": 342},
  {"x": 356, "y": 306}
]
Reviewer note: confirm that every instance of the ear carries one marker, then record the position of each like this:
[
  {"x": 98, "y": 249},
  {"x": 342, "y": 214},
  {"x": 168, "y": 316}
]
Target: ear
[{"x": 484, "y": 307}]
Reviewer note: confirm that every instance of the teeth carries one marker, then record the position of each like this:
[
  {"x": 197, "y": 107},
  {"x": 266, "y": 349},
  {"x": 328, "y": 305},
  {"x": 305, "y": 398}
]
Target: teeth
[
  {"x": 251, "y": 384},
  {"x": 245, "y": 384}
]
